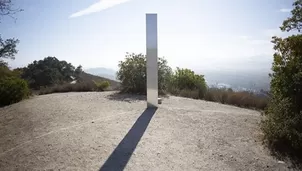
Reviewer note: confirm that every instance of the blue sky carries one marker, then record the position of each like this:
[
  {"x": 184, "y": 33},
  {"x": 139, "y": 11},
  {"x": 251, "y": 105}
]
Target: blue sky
[{"x": 197, "y": 34}]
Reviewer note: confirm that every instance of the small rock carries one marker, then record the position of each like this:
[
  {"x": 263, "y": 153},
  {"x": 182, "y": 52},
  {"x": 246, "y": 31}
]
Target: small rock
[
  {"x": 281, "y": 162},
  {"x": 92, "y": 122}
]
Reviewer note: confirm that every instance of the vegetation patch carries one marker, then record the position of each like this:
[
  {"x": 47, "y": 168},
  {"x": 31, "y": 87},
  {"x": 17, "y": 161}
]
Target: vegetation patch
[{"x": 282, "y": 123}]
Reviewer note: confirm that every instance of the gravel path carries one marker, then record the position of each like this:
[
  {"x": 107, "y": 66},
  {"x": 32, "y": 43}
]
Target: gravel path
[{"x": 104, "y": 131}]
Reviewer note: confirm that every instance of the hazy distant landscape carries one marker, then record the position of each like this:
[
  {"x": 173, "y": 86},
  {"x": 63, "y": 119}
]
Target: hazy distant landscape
[
  {"x": 103, "y": 72},
  {"x": 237, "y": 80}
]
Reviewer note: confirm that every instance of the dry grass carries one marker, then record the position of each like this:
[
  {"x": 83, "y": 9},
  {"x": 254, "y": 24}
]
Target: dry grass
[
  {"x": 87, "y": 83},
  {"x": 78, "y": 87},
  {"x": 242, "y": 99},
  {"x": 227, "y": 96}
]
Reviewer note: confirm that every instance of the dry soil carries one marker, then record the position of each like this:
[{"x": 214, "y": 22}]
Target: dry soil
[{"x": 105, "y": 131}]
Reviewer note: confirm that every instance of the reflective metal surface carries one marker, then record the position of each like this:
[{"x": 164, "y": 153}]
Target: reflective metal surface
[{"x": 152, "y": 66}]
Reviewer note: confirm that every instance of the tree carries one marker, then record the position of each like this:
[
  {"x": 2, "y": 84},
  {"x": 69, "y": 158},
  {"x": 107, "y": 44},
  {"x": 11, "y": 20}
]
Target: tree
[
  {"x": 6, "y": 8},
  {"x": 7, "y": 47},
  {"x": 133, "y": 76},
  {"x": 48, "y": 72},
  {"x": 283, "y": 123},
  {"x": 295, "y": 21},
  {"x": 78, "y": 72},
  {"x": 12, "y": 88}
]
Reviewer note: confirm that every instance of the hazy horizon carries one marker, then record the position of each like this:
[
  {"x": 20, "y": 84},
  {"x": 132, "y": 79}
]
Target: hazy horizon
[{"x": 202, "y": 35}]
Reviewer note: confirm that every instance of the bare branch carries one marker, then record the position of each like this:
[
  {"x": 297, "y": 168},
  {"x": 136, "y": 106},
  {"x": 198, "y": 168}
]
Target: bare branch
[{"x": 7, "y": 10}]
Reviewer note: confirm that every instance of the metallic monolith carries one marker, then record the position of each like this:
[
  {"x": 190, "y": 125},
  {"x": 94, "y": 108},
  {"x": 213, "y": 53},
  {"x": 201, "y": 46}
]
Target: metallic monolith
[{"x": 152, "y": 66}]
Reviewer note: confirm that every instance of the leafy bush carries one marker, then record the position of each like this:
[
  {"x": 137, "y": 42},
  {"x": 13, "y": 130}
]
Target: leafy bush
[
  {"x": 132, "y": 74},
  {"x": 282, "y": 124},
  {"x": 282, "y": 127},
  {"x": 49, "y": 71},
  {"x": 12, "y": 90},
  {"x": 101, "y": 85},
  {"x": 6, "y": 72},
  {"x": 185, "y": 80}
]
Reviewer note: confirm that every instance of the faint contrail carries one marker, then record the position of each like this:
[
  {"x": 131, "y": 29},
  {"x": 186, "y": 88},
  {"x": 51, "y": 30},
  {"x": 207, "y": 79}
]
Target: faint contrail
[{"x": 97, "y": 7}]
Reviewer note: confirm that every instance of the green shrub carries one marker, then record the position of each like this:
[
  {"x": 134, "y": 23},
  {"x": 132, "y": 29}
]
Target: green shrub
[
  {"x": 49, "y": 72},
  {"x": 101, "y": 85},
  {"x": 12, "y": 90},
  {"x": 282, "y": 125},
  {"x": 6, "y": 72},
  {"x": 186, "y": 83},
  {"x": 133, "y": 77}
]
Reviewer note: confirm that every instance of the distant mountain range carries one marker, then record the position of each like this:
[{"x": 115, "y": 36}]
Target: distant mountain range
[{"x": 102, "y": 72}]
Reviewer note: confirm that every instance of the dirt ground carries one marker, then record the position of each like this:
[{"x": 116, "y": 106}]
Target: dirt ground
[{"x": 104, "y": 131}]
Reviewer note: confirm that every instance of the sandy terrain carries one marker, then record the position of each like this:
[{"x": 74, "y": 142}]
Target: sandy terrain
[{"x": 103, "y": 131}]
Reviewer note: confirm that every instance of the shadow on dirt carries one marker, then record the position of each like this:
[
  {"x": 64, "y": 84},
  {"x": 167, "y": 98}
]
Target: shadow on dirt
[
  {"x": 289, "y": 155},
  {"x": 126, "y": 97},
  {"x": 122, "y": 153}
]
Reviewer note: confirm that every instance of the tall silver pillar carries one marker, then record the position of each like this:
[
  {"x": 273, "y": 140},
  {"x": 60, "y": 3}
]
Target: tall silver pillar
[{"x": 152, "y": 66}]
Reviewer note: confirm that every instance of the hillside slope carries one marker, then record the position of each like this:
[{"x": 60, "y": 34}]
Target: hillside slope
[
  {"x": 102, "y": 130},
  {"x": 102, "y": 72},
  {"x": 89, "y": 78}
]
